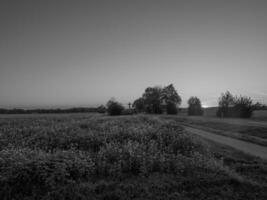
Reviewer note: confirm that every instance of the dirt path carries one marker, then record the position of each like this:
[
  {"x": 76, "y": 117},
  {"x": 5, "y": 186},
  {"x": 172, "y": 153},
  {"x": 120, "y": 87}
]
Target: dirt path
[
  {"x": 234, "y": 121},
  {"x": 252, "y": 149}
]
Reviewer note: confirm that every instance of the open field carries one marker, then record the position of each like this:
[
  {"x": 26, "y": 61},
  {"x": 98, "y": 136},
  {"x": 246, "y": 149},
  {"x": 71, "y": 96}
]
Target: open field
[
  {"x": 260, "y": 115},
  {"x": 128, "y": 157},
  {"x": 243, "y": 129}
]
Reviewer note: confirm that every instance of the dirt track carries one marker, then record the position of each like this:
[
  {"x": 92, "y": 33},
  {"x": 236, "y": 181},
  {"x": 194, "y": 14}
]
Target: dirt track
[
  {"x": 234, "y": 121},
  {"x": 252, "y": 149}
]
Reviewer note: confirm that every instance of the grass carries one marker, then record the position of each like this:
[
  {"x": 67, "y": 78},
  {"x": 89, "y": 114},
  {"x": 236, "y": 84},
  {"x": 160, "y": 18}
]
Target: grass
[
  {"x": 126, "y": 157},
  {"x": 260, "y": 115},
  {"x": 257, "y": 135}
]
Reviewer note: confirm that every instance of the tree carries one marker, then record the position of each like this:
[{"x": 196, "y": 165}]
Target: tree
[
  {"x": 114, "y": 108},
  {"x": 259, "y": 106},
  {"x": 101, "y": 109},
  {"x": 194, "y": 106},
  {"x": 243, "y": 107},
  {"x": 170, "y": 95},
  {"x": 152, "y": 100},
  {"x": 139, "y": 105},
  {"x": 171, "y": 99},
  {"x": 225, "y": 101},
  {"x": 230, "y": 106}
]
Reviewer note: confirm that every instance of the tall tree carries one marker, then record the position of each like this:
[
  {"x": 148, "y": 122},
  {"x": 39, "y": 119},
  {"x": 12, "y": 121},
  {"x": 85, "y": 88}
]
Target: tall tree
[
  {"x": 171, "y": 99},
  {"x": 194, "y": 106},
  {"x": 243, "y": 107},
  {"x": 170, "y": 95},
  {"x": 152, "y": 100},
  {"x": 225, "y": 101},
  {"x": 139, "y": 104}
]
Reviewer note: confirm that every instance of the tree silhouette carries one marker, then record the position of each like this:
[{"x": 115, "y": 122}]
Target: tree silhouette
[
  {"x": 114, "y": 108},
  {"x": 139, "y": 105},
  {"x": 225, "y": 101},
  {"x": 230, "y": 106},
  {"x": 171, "y": 99},
  {"x": 243, "y": 107},
  {"x": 194, "y": 106},
  {"x": 152, "y": 100}
]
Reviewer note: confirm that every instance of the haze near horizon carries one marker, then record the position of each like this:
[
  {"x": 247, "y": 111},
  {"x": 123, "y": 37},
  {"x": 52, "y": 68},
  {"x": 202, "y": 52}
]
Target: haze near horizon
[{"x": 57, "y": 53}]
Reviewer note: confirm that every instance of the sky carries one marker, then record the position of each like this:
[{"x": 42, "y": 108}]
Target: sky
[{"x": 62, "y": 53}]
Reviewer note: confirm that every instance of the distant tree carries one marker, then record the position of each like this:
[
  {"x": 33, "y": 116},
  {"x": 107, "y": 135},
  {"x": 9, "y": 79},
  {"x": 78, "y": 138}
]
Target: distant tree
[
  {"x": 194, "y": 106},
  {"x": 243, "y": 107},
  {"x": 114, "y": 108},
  {"x": 101, "y": 109},
  {"x": 139, "y": 105},
  {"x": 225, "y": 101},
  {"x": 171, "y": 99},
  {"x": 259, "y": 106},
  {"x": 170, "y": 95},
  {"x": 152, "y": 100},
  {"x": 238, "y": 106}
]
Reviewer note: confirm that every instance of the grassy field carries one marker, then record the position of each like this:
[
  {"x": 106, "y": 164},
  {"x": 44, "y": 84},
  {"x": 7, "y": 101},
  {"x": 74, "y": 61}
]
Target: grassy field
[
  {"x": 260, "y": 115},
  {"x": 257, "y": 135},
  {"x": 128, "y": 157}
]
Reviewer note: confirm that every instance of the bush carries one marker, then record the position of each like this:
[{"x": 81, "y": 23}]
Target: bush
[
  {"x": 114, "y": 108},
  {"x": 128, "y": 112},
  {"x": 101, "y": 109},
  {"x": 240, "y": 107}
]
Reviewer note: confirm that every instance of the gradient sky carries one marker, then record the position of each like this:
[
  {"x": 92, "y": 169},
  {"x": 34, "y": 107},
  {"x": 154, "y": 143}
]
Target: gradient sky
[{"x": 82, "y": 53}]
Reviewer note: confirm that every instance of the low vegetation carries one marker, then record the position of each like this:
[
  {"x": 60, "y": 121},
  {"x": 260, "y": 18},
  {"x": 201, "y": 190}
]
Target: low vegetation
[
  {"x": 114, "y": 108},
  {"x": 124, "y": 157},
  {"x": 238, "y": 106}
]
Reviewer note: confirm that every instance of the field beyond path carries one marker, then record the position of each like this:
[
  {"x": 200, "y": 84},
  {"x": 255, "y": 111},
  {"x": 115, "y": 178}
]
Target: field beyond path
[{"x": 247, "y": 147}]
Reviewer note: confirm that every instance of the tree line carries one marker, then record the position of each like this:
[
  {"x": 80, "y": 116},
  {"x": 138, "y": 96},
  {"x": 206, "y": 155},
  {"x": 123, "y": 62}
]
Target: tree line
[
  {"x": 47, "y": 111},
  {"x": 158, "y": 100}
]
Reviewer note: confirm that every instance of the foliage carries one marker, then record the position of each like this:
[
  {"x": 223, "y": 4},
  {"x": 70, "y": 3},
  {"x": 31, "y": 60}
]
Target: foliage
[
  {"x": 102, "y": 157},
  {"x": 171, "y": 108},
  {"x": 139, "y": 104},
  {"x": 259, "y": 106},
  {"x": 114, "y": 108},
  {"x": 42, "y": 111},
  {"x": 128, "y": 111},
  {"x": 101, "y": 109},
  {"x": 152, "y": 100},
  {"x": 194, "y": 106},
  {"x": 243, "y": 107},
  {"x": 170, "y": 96},
  {"x": 157, "y": 100},
  {"x": 225, "y": 101},
  {"x": 230, "y": 106}
]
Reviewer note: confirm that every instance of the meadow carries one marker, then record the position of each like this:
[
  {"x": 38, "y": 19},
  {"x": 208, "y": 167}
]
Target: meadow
[
  {"x": 242, "y": 131},
  {"x": 93, "y": 156}
]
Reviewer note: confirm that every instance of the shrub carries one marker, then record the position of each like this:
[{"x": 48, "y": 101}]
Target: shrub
[
  {"x": 230, "y": 106},
  {"x": 101, "y": 109},
  {"x": 114, "y": 108},
  {"x": 128, "y": 112}
]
